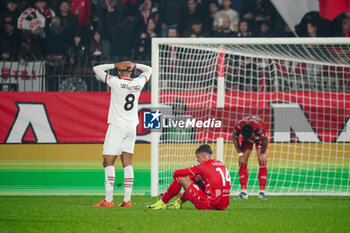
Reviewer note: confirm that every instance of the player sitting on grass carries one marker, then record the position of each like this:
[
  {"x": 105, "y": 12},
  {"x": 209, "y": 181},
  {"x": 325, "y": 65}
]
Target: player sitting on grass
[
  {"x": 212, "y": 195},
  {"x": 253, "y": 131},
  {"x": 122, "y": 120}
]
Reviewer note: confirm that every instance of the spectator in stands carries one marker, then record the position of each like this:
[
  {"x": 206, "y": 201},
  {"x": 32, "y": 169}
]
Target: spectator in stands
[
  {"x": 54, "y": 42},
  {"x": 172, "y": 33},
  {"x": 68, "y": 20},
  {"x": 170, "y": 14},
  {"x": 287, "y": 32},
  {"x": 225, "y": 30},
  {"x": 97, "y": 7},
  {"x": 111, "y": 17},
  {"x": 171, "y": 61},
  {"x": 43, "y": 8},
  {"x": 131, "y": 7},
  {"x": 100, "y": 49},
  {"x": 196, "y": 30},
  {"x": 192, "y": 14},
  {"x": 77, "y": 52},
  {"x": 11, "y": 13},
  {"x": 311, "y": 29},
  {"x": 144, "y": 42},
  {"x": 259, "y": 12},
  {"x": 265, "y": 30},
  {"x": 54, "y": 4},
  {"x": 345, "y": 28},
  {"x": 337, "y": 23},
  {"x": 213, "y": 8},
  {"x": 30, "y": 48},
  {"x": 9, "y": 42},
  {"x": 244, "y": 29},
  {"x": 81, "y": 8},
  {"x": 54, "y": 49},
  {"x": 113, "y": 26},
  {"x": 323, "y": 25},
  {"x": 248, "y": 74},
  {"x": 142, "y": 16},
  {"x": 226, "y": 11}
]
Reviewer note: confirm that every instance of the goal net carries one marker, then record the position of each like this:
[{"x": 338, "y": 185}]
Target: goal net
[{"x": 299, "y": 87}]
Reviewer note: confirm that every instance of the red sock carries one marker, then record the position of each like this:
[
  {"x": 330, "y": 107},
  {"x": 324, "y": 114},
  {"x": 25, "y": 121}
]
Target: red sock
[
  {"x": 183, "y": 197},
  {"x": 243, "y": 176},
  {"x": 173, "y": 190},
  {"x": 262, "y": 174}
]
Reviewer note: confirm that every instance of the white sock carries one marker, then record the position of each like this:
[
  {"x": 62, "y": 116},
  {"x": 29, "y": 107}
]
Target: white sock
[
  {"x": 109, "y": 182},
  {"x": 244, "y": 191},
  {"x": 128, "y": 182}
]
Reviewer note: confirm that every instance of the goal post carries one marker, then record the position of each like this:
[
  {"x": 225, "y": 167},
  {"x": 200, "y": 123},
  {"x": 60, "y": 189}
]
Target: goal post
[{"x": 300, "y": 87}]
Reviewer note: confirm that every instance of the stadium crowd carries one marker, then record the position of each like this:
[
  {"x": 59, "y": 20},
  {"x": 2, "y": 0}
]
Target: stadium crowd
[
  {"x": 77, "y": 31},
  {"x": 71, "y": 36}
]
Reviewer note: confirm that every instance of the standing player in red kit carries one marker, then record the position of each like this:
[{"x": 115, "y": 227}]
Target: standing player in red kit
[
  {"x": 207, "y": 185},
  {"x": 253, "y": 131}
]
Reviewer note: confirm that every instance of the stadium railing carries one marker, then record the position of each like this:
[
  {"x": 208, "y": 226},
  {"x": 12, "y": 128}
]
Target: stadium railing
[
  {"x": 52, "y": 75},
  {"x": 61, "y": 75}
]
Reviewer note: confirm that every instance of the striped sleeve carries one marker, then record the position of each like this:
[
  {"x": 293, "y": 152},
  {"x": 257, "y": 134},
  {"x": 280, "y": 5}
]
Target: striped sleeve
[
  {"x": 100, "y": 71},
  {"x": 146, "y": 72}
]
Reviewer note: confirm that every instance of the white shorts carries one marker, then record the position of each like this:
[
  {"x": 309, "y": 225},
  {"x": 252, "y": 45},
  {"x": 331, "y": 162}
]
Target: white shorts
[{"x": 119, "y": 140}]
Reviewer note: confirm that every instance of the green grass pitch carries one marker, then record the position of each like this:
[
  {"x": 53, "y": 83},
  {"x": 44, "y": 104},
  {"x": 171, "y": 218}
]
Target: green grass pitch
[{"x": 75, "y": 214}]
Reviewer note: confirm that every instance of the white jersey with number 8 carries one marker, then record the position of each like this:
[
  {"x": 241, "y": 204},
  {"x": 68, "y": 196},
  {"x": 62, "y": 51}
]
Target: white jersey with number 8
[{"x": 125, "y": 93}]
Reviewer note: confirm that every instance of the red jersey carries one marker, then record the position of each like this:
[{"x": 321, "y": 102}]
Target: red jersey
[
  {"x": 216, "y": 179},
  {"x": 259, "y": 128}
]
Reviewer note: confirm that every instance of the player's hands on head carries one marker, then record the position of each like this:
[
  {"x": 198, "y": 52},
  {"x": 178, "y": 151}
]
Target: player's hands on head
[
  {"x": 130, "y": 65},
  {"x": 126, "y": 65}
]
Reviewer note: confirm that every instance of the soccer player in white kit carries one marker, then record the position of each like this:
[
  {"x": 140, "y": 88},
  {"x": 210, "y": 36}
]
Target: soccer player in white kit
[{"x": 122, "y": 120}]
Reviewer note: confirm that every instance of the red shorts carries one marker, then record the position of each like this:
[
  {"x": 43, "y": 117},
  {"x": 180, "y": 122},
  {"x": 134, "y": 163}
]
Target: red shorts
[
  {"x": 196, "y": 195},
  {"x": 247, "y": 145}
]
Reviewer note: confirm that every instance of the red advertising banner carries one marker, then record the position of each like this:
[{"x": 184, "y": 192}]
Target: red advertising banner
[
  {"x": 319, "y": 116},
  {"x": 81, "y": 117},
  {"x": 55, "y": 117}
]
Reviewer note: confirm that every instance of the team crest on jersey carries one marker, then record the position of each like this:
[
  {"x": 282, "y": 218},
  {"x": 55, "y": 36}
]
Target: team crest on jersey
[{"x": 152, "y": 120}]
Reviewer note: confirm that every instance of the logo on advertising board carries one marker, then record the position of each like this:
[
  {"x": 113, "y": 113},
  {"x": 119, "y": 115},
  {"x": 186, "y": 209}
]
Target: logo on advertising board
[{"x": 152, "y": 120}]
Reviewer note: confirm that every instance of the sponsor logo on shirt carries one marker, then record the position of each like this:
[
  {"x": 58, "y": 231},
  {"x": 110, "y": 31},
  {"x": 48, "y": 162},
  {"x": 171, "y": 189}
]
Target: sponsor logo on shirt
[
  {"x": 226, "y": 190},
  {"x": 130, "y": 88}
]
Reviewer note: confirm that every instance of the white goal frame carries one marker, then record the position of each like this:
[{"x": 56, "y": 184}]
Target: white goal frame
[{"x": 217, "y": 41}]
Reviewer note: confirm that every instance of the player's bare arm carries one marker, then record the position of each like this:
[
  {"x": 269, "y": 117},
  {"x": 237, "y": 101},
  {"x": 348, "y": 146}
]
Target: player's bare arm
[
  {"x": 100, "y": 71},
  {"x": 265, "y": 142},
  {"x": 262, "y": 154},
  {"x": 236, "y": 144},
  {"x": 242, "y": 155}
]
